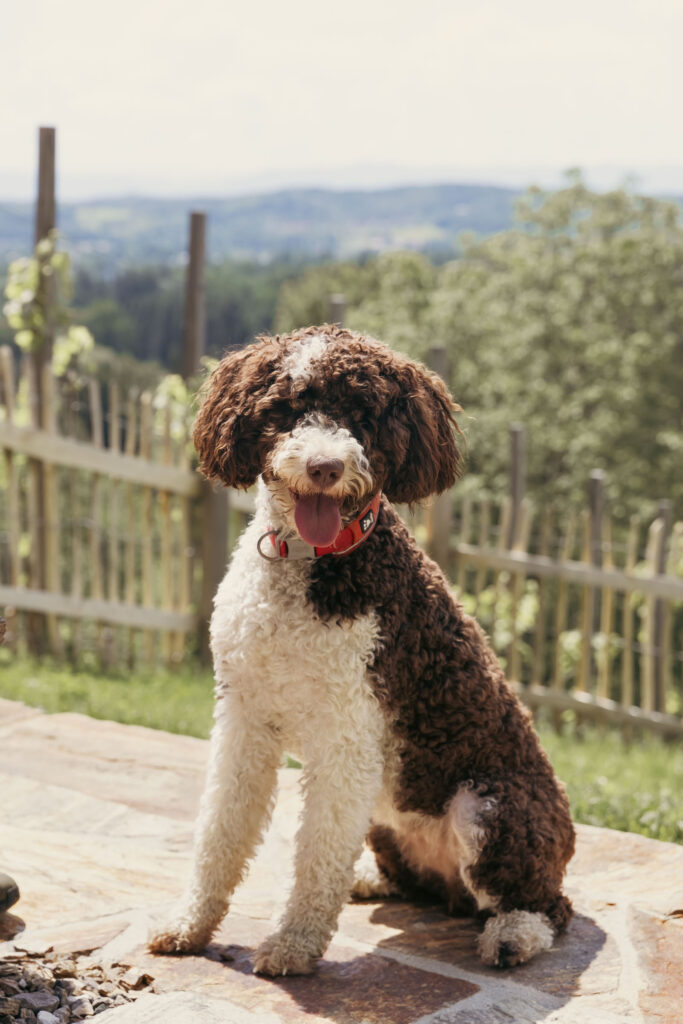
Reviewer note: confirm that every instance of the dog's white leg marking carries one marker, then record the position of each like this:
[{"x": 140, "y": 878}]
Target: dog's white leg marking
[
  {"x": 468, "y": 812},
  {"x": 341, "y": 784},
  {"x": 368, "y": 880},
  {"x": 515, "y": 937},
  {"x": 508, "y": 938},
  {"x": 234, "y": 811}
]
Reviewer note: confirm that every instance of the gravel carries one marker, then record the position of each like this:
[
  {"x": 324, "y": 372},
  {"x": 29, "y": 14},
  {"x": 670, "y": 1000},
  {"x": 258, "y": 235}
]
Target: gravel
[{"x": 41, "y": 987}]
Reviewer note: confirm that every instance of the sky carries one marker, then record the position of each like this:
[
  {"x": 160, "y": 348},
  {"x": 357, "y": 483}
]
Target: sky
[{"x": 209, "y": 97}]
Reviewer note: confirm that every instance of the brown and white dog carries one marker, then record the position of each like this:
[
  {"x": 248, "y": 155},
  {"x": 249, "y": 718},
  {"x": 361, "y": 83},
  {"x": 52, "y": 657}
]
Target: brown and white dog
[{"x": 335, "y": 638}]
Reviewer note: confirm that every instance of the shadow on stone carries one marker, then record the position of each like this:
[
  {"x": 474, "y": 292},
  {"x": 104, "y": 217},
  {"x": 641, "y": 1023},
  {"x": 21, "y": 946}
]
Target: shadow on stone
[
  {"x": 346, "y": 988},
  {"x": 10, "y": 925},
  {"x": 427, "y": 932}
]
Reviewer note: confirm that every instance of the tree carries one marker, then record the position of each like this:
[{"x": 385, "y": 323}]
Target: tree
[{"x": 571, "y": 323}]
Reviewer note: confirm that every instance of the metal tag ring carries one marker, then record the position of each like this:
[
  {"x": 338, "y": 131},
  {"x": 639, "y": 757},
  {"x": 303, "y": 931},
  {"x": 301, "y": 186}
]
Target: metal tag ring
[{"x": 268, "y": 558}]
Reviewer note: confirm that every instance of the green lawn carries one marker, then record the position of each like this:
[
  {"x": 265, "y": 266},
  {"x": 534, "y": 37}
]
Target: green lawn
[
  {"x": 179, "y": 700},
  {"x": 638, "y": 788}
]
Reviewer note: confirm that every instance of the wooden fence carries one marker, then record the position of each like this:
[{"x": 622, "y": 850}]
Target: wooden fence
[
  {"x": 586, "y": 615},
  {"x": 104, "y": 490}
]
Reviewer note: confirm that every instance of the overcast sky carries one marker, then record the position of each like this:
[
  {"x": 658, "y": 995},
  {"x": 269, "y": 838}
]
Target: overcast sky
[{"x": 197, "y": 96}]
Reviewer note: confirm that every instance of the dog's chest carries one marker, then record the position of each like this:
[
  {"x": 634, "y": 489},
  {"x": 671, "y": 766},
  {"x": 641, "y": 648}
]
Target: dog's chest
[{"x": 270, "y": 646}]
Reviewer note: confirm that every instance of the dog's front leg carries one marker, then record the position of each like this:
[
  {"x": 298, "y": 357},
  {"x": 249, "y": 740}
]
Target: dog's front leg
[
  {"x": 340, "y": 787},
  {"x": 234, "y": 811}
]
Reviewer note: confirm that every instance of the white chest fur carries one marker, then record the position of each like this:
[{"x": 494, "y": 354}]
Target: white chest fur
[{"x": 308, "y": 678}]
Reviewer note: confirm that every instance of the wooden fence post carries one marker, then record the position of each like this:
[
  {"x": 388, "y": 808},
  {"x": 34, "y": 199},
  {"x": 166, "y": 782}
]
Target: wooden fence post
[
  {"x": 337, "y": 309},
  {"x": 442, "y": 507},
  {"x": 214, "y": 503},
  {"x": 517, "y": 481},
  {"x": 665, "y": 515},
  {"x": 593, "y": 554}
]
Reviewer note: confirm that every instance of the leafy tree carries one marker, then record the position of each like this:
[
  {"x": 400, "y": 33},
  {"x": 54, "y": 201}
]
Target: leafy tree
[
  {"x": 306, "y": 299},
  {"x": 397, "y": 303},
  {"x": 570, "y": 323},
  {"x": 573, "y": 325}
]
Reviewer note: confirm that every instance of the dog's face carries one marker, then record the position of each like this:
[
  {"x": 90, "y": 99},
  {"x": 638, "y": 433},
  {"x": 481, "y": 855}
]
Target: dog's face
[{"x": 328, "y": 418}]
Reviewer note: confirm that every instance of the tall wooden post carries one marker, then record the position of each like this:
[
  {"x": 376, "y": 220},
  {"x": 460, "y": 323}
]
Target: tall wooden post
[
  {"x": 442, "y": 508},
  {"x": 39, "y": 363},
  {"x": 214, "y": 502},
  {"x": 195, "y": 297}
]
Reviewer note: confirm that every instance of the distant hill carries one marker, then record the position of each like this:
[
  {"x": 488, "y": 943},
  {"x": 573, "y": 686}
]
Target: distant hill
[{"x": 110, "y": 234}]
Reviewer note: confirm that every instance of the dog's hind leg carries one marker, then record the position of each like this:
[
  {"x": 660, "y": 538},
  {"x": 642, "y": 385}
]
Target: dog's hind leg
[
  {"x": 234, "y": 811},
  {"x": 516, "y": 838},
  {"x": 340, "y": 785}
]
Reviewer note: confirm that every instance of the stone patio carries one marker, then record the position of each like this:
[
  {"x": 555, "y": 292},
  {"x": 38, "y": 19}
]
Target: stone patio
[{"x": 96, "y": 822}]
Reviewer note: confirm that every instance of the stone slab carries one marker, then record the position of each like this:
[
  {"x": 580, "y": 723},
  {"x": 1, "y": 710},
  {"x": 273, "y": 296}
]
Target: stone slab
[
  {"x": 95, "y": 824},
  {"x": 128, "y": 764}
]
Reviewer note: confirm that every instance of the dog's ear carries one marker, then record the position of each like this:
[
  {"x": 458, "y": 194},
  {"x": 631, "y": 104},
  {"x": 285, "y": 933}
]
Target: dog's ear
[
  {"x": 236, "y": 422},
  {"x": 419, "y": 437}
]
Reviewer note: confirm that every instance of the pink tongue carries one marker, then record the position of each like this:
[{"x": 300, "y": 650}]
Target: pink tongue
[{"x": 317, "y": 519}]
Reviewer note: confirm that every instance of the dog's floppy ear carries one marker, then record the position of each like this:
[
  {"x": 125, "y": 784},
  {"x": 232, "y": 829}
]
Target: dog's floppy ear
[
  {"x": 235, "y": 425},
  {"x": 419, "y": 437}
]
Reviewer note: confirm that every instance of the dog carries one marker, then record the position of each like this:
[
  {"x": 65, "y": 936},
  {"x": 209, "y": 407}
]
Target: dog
[{"x": 336, "y": 639}]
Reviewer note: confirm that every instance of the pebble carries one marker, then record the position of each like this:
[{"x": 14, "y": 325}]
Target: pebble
[
  {"x": 80, "y": 1006},
  {"x": 45, "y": 1017},
  {"x": 41, "y": 1000}
]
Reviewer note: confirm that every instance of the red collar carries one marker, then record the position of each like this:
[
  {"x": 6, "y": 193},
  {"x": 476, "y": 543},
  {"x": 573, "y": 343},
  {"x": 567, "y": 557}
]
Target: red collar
[{"x": 347, "y": 539}]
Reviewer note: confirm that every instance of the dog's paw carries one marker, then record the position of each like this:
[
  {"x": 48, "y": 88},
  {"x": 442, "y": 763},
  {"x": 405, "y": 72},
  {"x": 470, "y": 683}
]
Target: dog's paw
[
  {"x": 285, "y": 954},
  {"x": 179, "y": 938},
  {"x": 368, "y": 881},
  {"x": 513, "y": 938}
]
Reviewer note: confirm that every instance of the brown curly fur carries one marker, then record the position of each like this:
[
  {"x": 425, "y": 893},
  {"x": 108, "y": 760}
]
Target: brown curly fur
[{"x": 457, "y": 721}]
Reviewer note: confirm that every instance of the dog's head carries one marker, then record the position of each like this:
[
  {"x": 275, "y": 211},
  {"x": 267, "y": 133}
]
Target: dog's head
[{"x": 329, "y": 418}]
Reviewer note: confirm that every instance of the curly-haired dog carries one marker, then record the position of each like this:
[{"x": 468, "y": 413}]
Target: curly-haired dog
[{"x": 334, "y": 637}]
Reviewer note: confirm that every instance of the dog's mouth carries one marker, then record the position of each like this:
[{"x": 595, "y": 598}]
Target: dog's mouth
[{"x": 317, "y": 517}]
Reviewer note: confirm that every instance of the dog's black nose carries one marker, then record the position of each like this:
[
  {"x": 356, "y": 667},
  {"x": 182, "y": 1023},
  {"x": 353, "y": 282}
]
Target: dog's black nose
[{"x": 323, "y": 471}]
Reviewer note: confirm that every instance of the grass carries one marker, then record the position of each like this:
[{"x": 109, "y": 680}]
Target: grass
[
  {"x": 178, "y": 700},
  {"x": 635, "y": 788}
]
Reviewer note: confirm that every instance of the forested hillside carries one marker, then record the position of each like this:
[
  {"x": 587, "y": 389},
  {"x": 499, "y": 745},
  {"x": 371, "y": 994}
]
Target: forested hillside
[{"x": 108, "y": 235}]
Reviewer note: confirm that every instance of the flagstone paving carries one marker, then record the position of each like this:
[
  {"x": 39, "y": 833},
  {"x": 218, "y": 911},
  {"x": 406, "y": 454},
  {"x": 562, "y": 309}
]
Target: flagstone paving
[{"x": 95, "y": 825}]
